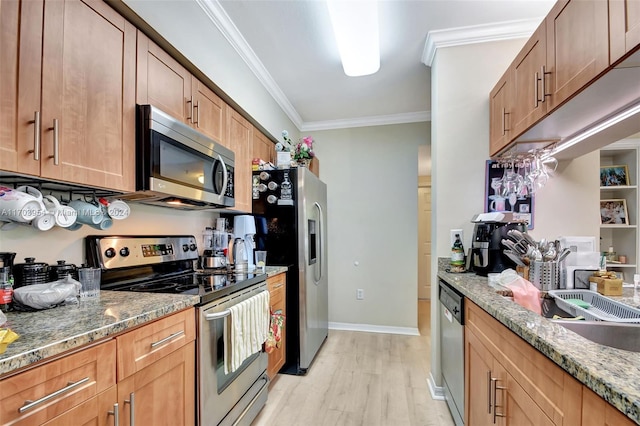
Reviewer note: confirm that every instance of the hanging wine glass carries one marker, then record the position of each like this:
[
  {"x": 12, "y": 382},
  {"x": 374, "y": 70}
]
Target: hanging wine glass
[{"x": 496, "y": 184}]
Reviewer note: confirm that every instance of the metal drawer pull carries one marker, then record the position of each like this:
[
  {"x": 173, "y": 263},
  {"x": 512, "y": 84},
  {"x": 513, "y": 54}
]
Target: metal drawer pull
[
  {"x": 278, "y": 286},
  {"x": 217, "y": 315},
  {"x": 28, "y": 404},
  {"x": 116, "y": 415},
  {"x": 56, "y": 143},
  {"x": 36, "y": 136},
  {"x": 132, "y": 403},
  {"x": 166, "y": 339}
]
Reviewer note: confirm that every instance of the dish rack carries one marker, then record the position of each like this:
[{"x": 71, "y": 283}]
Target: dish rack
[{"x": 601, "y": 308}]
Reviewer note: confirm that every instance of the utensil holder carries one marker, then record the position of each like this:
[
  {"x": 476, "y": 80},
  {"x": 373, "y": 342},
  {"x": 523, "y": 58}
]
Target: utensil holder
[{"x": 545, "y": 275}]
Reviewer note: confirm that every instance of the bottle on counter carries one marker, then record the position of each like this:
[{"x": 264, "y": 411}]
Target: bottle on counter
[
  {"x": 457, "y": 255},
  {"x": 6, "y": 289}
]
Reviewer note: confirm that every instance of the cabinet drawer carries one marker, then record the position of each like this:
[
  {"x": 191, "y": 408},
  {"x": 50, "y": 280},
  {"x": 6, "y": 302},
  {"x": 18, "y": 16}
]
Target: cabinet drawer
[
  {"x": 276, "y": 286},
  {"x": 57, "y": 386},
  {"x": 147, "y": 344}
]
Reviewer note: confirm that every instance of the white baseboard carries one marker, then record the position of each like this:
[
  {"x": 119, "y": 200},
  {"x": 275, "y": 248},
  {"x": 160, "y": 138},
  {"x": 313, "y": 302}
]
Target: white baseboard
[
  {"x": 410, "y": 331},
  {"x": 437, "y": 392}
]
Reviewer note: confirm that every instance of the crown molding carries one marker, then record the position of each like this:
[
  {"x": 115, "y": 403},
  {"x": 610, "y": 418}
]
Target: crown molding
[
  {"x": 377, "y": 120},
  {"x": 223, "y": 22},
  {"x": 476, "y": 34}
]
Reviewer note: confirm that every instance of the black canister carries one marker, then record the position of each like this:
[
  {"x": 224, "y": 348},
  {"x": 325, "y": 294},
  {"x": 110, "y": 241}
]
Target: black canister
[
  {"x": 61, "y": 270},
  {"x": 6, "y": 259},
  {"x": 30, "y": 272}
]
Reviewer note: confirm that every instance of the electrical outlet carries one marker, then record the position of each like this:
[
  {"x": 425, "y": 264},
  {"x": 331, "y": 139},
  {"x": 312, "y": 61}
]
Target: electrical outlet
[
  {"x": 452, "y": 236},
  {"x": 360, "y": 294}
]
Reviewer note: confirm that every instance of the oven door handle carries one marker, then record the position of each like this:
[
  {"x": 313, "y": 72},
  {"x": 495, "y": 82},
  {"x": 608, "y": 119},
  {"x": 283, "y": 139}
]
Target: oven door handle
[{"x": 217, "y": 315}]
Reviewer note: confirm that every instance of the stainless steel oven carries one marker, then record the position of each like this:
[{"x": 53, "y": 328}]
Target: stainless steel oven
[
  {"x": 237, "y": 397},
  {"x": 177, "y": 166}
]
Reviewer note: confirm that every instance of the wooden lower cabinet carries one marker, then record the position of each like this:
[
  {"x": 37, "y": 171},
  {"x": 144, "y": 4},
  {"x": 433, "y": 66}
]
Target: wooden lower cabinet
[
  {"x": 162, "y": 393},
  {"x": 507, "y": 376},
  {"x": 99, "y": 410},
  {"x": 597, "y": 412},
  {"x": 79, "y": 378},
  {"x": 277, "y": 286}
]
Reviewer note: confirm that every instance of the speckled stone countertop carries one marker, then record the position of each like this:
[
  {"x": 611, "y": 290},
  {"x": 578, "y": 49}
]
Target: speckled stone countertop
[
  {"x": 614, "y": 374},
  {"x": 275, "y": 270},
  {"x": 50, "y": 332}
]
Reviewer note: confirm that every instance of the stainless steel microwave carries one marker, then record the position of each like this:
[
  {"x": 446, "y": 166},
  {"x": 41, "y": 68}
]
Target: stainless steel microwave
[{"x": 179, "y": 167}]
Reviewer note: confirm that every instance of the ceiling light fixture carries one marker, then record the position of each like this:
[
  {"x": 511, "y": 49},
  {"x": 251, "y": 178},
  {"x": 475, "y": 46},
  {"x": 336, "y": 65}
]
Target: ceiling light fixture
[
  {"x": 612, "y": 121},
  {"x": 355, "y": 25}
]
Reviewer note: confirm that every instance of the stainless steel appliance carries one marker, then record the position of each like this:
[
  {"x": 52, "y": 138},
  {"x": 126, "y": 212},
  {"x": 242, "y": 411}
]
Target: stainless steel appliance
[
  {"x": 179, "y": 167},
  {"x": 486, "y": 246},
  {"x": 165, "y": 264},
  {"x": 452, "y": 350},
  {"x": 291, "y": 225}
]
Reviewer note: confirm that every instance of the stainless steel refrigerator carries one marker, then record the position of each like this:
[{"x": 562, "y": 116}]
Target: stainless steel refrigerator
[{"x": 290, "y": 207}]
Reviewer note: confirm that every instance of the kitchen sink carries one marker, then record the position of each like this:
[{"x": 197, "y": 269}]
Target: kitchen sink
[{"x": 614, "y": 334}]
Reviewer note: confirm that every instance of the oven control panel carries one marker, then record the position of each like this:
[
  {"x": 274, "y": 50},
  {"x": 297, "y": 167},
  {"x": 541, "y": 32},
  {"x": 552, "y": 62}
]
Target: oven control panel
[{"x": 128, "y": 251}]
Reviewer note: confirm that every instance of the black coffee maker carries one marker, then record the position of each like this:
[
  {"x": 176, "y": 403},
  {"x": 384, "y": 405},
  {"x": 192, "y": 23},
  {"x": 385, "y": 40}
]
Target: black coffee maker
[{"x": 486, "y": 247}]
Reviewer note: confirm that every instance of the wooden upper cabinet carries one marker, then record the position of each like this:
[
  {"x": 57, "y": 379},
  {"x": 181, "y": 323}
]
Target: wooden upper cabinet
[
  {"x": 500, "y": 106},
  {"x": 577, "y": 47},
  {"x": 239, "y": 139},
  {"x": 624, "y": 27},
  {"x": 262, "y": 148},
  {"x": 162, "y": 81},
  {"x": 209, "y": 111},
  {"x": 528, "y": 69},
  {"x": 88, "y": 95},
  {"x": 20, "y": 72}
]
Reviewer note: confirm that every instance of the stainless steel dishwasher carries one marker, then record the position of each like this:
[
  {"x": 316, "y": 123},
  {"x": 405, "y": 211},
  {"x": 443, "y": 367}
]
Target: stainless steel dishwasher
[{"x": 452, "y": 349}]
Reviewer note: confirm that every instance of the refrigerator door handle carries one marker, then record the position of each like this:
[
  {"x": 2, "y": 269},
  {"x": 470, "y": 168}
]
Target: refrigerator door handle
[{"x": 318, "y": 276}]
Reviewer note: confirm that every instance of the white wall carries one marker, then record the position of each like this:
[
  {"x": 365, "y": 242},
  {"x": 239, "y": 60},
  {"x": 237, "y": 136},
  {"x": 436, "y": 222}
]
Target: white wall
[
  {"x": 371, "y": 176},
  {"x": 60, "y": 244}
]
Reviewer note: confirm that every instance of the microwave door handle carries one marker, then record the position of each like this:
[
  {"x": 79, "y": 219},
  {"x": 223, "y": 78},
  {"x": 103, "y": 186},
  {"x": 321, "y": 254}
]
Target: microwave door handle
[{"x": 223, "y": 190}]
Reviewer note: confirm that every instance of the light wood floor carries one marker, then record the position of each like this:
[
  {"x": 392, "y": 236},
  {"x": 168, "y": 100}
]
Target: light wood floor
[{"x": 361, "y": 379}]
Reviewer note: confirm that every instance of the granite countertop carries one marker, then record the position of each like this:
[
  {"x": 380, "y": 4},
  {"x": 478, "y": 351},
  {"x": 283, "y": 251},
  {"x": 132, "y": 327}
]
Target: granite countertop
[
  {"x": 50, "y": 332},
  {"x": 611, "y": 373},
  {"x": 275, "y": 270}
]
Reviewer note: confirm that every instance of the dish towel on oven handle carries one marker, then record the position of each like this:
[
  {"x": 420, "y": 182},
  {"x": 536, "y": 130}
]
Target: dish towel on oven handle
[{"x": 247, "y": 328}]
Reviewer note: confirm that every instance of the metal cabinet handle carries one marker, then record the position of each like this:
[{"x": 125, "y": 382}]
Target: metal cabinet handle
[
  {"x": 56, "y": 143},
  {"x": 489, "y": 381},
  {"x": 28, "y": 404},
  {"x": 166, "y": 339},
  {"x": 190, "y": 110},
  {"x": 278, "y": 286},
  {"x": 116, "y": 415},
  {"x": 196, "y": 107},
  {"x": 36, "y": 136},
  {"x": 132, "y": 403},
  {"x": 504, "y": 121},
  {"x": 543, "y": 73},
  {"x": 495, "y": 386},
  {"x": 536, "y": 100}
]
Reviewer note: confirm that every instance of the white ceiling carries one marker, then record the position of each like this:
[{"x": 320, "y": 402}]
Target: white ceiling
[{"x": 293, "y": 42}]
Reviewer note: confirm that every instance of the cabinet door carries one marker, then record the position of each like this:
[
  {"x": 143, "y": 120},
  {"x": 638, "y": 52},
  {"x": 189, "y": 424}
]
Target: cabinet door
[
  {"x": 98, "y": 411},
  {"x": 277, "y": 292},
  {"x": 478, "y": 365},
  {"x": 88, "y": 95},
  {"x": 513, "y": 405},
  {"x": 239, "y": 139},
  {"x": 209, "y": 112},
  {"x": 528, "y": 68},
  {"x": 577, "y": 47},
  {"x": 162, "y": 393},
  {"x": 263, "y": 148},
  {"x": 162, "y": 82},
  {"x": 597, "y": 412},
  {"x": 20, "y": 71},
  {"x": 500, "y": 114},
  {"x": 624, "y": 27}
]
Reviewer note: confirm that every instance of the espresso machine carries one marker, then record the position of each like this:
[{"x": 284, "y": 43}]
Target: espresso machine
[{"x": 486, "y": 247}]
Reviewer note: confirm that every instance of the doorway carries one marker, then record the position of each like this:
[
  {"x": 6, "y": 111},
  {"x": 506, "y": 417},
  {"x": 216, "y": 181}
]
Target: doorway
[{"x": 424, "y": 237}]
